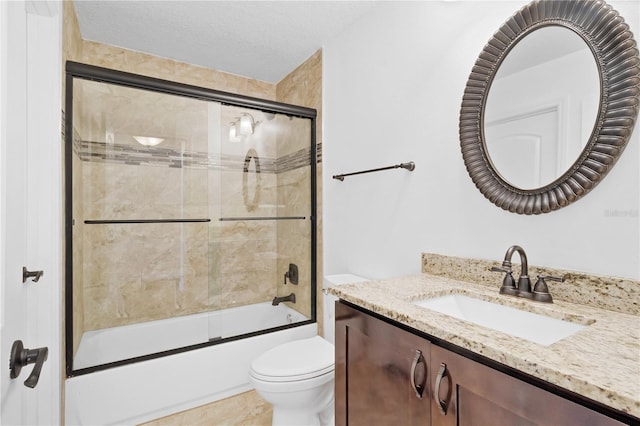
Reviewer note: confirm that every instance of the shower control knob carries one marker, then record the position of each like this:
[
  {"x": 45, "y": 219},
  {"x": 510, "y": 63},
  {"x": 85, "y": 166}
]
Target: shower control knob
[{"x": 291, "y": 274}]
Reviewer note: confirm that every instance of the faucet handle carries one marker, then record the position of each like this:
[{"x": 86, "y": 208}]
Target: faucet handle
[
  {"x": 508, "y": 282},
  {"x": 551, "y": 278},
  {"x": 541, "y": 291}
]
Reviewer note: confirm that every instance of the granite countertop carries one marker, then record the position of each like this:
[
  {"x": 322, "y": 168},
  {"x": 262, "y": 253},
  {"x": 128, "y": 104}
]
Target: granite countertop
[{"x": 601, "y": 361}]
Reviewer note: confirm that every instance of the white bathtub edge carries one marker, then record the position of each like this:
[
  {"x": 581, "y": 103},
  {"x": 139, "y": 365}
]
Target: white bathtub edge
[{"x": 148, "y": 390}]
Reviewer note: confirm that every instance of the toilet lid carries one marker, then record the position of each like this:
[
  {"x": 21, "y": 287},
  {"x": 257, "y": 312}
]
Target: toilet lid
[{"x": 297, "y": 360}]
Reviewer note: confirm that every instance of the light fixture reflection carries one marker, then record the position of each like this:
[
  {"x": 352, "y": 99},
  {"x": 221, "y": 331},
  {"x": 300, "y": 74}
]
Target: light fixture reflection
[
  {"x": 246, "y": 124},
  {"x": 148, "y": 140},
  {"x": 233, "y": 133}
]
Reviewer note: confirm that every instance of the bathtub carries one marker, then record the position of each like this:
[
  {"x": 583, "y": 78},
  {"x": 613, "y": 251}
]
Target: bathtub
[
  {"x": 114, "y": 344},
  {"x": 147, "y": 390}
]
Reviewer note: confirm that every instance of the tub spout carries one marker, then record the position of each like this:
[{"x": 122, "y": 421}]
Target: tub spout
[{"x": 290, "y": 298}]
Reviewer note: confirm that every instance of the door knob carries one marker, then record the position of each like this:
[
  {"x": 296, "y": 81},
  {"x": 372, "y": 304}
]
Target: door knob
[
  {"x": 21, "y": 357},
  {"x": 36, "y": 275}
]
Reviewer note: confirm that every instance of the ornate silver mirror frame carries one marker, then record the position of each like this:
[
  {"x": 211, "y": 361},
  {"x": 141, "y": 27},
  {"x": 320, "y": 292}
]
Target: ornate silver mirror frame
[{"x": 616, "y": 55}]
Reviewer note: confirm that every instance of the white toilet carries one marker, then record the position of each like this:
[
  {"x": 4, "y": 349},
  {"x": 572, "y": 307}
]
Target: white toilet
[{"x": 297, "y": 377}]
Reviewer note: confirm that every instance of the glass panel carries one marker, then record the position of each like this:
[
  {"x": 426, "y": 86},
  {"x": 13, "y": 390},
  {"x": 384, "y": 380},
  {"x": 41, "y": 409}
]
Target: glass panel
[
  {"x": 261, "y": 221},
  {"x": 192, "y": 222},
  {"x": 294, "y": 199},
  {"x": 140, "y": 210}
]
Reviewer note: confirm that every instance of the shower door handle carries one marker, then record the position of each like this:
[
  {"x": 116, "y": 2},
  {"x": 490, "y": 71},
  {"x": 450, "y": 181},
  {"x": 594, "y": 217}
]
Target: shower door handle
[{"x": 21, "y": 357}]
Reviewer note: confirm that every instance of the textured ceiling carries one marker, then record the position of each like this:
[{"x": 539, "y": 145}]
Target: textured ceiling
[{"x": 264, "y": 40}]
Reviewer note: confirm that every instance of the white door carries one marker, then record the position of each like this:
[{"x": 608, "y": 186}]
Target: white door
[
  {"x": 30, "y": 210},
  {"x": 525, "y": 147}
]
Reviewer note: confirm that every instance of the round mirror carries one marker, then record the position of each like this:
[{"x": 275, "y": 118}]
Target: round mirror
[
  {"x": 542, "y": 107},
  {"x": 536, "y": 133}
]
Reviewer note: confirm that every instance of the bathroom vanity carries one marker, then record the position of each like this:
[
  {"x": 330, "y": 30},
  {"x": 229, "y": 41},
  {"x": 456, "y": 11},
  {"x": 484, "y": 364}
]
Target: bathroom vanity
[{"x": 401, "y": 363}]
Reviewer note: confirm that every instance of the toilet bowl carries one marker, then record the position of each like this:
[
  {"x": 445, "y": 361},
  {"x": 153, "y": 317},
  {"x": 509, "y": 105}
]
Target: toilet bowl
[{"x": 297, "y": 378}]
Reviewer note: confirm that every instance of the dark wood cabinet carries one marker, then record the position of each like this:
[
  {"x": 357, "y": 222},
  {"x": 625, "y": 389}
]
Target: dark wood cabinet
[
  {"x": 382, "y": 373},
  {"x": 470, "y": 393},
  {"x": 378, "y": 368}
]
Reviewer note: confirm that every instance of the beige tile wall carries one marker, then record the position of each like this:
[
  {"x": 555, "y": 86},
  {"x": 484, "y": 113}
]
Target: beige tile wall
[
  {"x": 140, "y": 63},
  {"x": 126, "y": 265},
  {"x": 166, "y": 265},
  {"x": 141, "y": 272},
  {"x": 294, "y": 236},
  {"x": 303, "y": 86}
]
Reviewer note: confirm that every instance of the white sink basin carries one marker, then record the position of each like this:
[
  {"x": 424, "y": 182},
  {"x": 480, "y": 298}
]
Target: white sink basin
[{"x": 527, "y": 325}]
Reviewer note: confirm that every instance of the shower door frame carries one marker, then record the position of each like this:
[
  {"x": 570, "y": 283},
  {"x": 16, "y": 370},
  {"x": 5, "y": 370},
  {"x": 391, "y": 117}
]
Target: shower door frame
[{"x": 105, "y": 75}]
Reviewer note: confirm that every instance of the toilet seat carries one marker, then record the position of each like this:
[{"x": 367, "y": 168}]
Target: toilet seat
[{"x": 293, "y": 361}]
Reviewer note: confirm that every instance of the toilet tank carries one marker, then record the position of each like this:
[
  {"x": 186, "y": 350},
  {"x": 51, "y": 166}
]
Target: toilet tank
[{"x": 329, "y": 309}]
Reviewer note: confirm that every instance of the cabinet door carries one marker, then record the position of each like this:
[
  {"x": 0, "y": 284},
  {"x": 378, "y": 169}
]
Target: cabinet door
[
  {"x": 381, "y": 372},
  {"x": 470, "y": 393}
]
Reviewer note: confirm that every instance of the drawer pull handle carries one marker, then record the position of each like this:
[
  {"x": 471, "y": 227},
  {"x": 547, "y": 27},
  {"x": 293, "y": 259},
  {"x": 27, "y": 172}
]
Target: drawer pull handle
[
  {"x": 418, "y": 389},
  {"x": 436, "y": 395}
]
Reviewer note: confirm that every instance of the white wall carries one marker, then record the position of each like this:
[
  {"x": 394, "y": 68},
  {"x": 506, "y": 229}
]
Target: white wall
[{"x": 393, "y": 85}]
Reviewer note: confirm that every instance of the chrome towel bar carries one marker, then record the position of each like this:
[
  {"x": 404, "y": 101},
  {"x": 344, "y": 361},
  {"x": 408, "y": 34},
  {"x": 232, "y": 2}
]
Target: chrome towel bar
[{"x": 409, "y": 166}]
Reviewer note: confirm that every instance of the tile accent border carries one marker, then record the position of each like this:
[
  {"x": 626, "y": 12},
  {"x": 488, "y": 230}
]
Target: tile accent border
[
  {"x": 611, "y": 293},
  {"x": 167, "y": 157}
]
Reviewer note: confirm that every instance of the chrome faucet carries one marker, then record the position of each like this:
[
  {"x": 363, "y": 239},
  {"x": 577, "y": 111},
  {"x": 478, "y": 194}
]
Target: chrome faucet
[
  {"x": 540, "y": 291},
  {"x": 290, "y": 298}
]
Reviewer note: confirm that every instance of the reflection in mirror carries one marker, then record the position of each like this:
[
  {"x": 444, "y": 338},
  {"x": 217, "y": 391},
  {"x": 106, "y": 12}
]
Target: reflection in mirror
[{"x": 542, "y": 107}]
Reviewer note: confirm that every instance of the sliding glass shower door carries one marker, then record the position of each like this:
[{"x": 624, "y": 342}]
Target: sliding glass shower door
[{"x": 189, "y": 219}]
